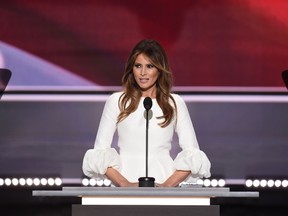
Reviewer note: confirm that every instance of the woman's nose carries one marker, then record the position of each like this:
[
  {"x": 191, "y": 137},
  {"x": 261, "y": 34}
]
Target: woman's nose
[{"x": 142, "y": 72}]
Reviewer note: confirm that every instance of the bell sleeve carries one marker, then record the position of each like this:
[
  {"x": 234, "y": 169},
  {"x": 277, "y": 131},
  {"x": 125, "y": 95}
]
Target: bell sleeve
[
  {"x": 191, "y": 157},
  {"x": 96, "y": 161}
]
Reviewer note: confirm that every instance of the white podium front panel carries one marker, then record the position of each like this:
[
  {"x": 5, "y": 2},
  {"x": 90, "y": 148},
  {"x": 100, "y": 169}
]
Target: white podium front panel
[{"x": 176, "y": 201}]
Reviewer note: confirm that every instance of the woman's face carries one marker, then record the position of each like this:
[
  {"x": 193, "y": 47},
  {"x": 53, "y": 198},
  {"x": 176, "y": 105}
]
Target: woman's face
[{"x": 145, "y": 74}]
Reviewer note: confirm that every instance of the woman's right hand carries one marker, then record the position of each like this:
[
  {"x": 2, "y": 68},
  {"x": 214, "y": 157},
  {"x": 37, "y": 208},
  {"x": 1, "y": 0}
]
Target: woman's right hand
[
  {"x": 129, "y": 184},
  {"x": 119, "y": 180}
]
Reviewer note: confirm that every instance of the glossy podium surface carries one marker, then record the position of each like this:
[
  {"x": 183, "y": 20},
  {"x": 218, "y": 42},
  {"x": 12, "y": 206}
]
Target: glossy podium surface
[
  {"x": 142, "y": 201},
  {"x": 145, "y": 192}
]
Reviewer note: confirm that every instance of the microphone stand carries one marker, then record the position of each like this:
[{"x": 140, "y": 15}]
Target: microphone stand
[{"x": 147, "y": 181}]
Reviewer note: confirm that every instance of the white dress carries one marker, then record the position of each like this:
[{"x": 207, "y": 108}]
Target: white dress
[{"x": 130, "y": 161}]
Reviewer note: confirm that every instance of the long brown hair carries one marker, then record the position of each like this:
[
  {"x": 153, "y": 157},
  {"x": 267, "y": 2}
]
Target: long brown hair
[{"x": 129, "y": 100}]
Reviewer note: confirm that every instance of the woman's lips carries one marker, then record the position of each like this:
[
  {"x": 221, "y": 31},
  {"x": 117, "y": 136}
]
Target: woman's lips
[{"x": 144, "y": 80}]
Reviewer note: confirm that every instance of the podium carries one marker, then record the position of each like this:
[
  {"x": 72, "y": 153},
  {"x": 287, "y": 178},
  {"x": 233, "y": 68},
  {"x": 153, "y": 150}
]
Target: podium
[{"x": 111, "y": 201}]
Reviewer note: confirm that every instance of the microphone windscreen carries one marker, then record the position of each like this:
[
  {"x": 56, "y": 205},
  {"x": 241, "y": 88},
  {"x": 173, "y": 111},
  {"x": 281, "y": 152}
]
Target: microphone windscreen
[{"x": 147, "y": 103}]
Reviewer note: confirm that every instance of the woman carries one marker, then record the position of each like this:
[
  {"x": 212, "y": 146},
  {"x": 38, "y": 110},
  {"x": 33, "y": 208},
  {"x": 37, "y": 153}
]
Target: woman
[{"x": 147, "y": 74}]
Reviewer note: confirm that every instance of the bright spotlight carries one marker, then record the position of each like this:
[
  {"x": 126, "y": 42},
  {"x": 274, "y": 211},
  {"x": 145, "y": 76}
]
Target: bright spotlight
[
  {"x": 58, "y": 181},
  {"x": 22, "y": 181},
  {"x": 85, "y": 182},
  {"x": 15, "y": 182},
  {"x": 7, "y": 182},
  {"x": 214, "y": 182},
  {"x": 36, "y": 181},
  {"x": 29, "y": 181},
  {"x": 44, "y": 181},
  {"x": 51, "y": 181},
  {"x": 263, "y": 183},
  {"x": 277, "y": 183},
  {"x": 200, "y": 182},
  {"x": 270, "y": 183},
  {"x": 249, "y": 183},
  {"x": 107, "y": 182},
  {"x": 284, "y": 183},
  {"x": 207, "y": 182},
  {"x": 221, "y": 182},
  {"x": 92, "y": 182},
  {"x": 256, "y": 183},
  {"x": 100, "y": 182}
]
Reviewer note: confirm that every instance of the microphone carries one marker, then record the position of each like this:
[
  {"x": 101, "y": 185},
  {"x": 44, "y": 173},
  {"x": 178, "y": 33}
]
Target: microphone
[
  {"x": 147, "y": 181},
  {"x": 147, "y": 103}
]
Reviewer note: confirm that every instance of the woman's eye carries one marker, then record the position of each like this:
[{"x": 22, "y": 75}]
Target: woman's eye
[
  {"x": 137, "y": 65},
  {"x": 150, "y": 66}
]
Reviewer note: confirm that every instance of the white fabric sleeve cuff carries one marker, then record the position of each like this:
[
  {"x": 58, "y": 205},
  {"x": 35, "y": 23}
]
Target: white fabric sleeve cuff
[
  {"x": 97, "y": 161},
  {"x": 194, "y": 160}
]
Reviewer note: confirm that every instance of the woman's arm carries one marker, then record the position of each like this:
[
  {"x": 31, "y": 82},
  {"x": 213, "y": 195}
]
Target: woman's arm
[
  {"x": 175, "y": 179},
  {"x": 97, "y": 160},
  {"x": 119, "y": 180},
  {"x": 191, "y": 157}
]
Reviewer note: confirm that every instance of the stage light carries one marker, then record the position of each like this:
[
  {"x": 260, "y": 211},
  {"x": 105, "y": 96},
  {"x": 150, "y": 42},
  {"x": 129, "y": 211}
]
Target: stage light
[
  {"x": 7, "y": 181},
  {"x": 22, "y": 181},
  {"x": 29, "y": 181},
  {"x": 277, "y": 183},
  {"x": 15, "y": 182},
  {"x": 266, "y": 183},
  {"x": 263, "y": 183},
  {"x": 248, "y": 183},
  {"x": 107, "y": 182},
  {"x": 221, "y": 182},
  {"x": 285, "y": 183},
  {"x": 44, "y": 181},
  {"x": 58, "y": 181},
  {"x": 92, "y": 182},
  {"x": 200, "y": 182},
  {"x": 256, "y": 183},
  {"x": 214, "y": 182},
  {"x": 51, "y": 181},
  {"x": 36, "y": 181},
  {"x": 270, "y": 183},
  {"x": 99, "y": 182},
  {"x": 85, "y": 182},
  {"x": 207, "y": 183}
]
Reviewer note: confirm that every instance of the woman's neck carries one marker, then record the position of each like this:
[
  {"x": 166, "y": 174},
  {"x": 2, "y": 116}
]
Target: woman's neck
[{"x": 149, "y": 93}]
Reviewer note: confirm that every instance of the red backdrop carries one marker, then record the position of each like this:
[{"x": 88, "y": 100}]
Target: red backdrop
[{"x": 209, "y": 43}]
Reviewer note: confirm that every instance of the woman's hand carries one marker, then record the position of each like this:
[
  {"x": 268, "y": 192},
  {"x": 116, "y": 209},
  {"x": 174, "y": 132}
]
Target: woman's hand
[
  {"x": 175, "y": 179},
  {"x": 163, "y": 185},
  {"x": 119, "y": 180},
  {"x": 129, "y": 184}
]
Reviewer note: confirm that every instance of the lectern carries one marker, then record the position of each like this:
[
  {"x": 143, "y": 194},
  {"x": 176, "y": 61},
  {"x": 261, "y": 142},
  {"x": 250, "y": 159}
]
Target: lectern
[{"x": 112, "y": 201}]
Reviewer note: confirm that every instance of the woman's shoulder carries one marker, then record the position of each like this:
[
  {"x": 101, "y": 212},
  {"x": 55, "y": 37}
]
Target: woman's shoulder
[
  {"x": 115, "y": 96},
  {"x": 177, "y": 98},
  {"x": 179, "y": 101}
]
